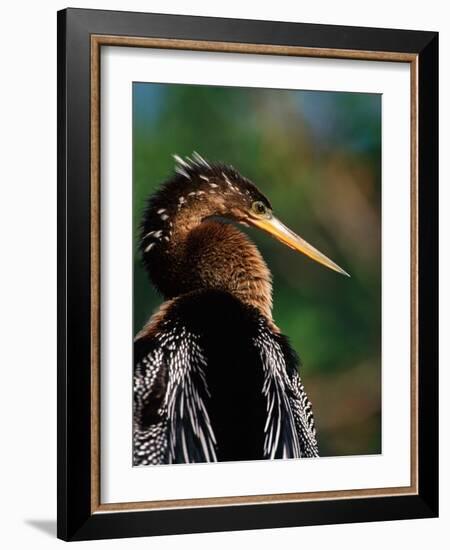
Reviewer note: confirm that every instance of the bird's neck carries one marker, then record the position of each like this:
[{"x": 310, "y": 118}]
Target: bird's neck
[{"x": 192, "y": 253}]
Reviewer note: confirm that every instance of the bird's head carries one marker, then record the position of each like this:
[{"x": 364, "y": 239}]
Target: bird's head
[{"x": 201, "y": 190}]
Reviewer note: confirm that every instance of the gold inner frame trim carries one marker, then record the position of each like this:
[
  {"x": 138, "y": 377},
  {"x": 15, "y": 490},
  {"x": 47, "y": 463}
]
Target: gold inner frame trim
[{"x": 97, "y": 41}]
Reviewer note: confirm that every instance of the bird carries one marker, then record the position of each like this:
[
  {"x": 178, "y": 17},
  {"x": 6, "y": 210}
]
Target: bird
[{"x": 214, "y": 377}]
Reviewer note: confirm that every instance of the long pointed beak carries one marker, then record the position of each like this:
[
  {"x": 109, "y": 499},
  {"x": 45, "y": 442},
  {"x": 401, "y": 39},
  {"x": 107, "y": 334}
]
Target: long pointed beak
[{"x": 274, "y": 227}]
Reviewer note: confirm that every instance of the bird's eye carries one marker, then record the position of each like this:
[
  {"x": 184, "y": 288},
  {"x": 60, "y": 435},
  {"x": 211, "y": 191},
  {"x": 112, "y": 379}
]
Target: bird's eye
[{"x": 259, "y": 208}]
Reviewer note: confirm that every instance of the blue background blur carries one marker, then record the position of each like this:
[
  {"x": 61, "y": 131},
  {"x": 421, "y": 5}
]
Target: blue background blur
[{"x": 317, "y": 157}]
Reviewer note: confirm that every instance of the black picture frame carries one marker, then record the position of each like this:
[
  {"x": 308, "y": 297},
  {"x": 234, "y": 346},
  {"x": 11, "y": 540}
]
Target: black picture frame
[{"x": 76, "y": 518}]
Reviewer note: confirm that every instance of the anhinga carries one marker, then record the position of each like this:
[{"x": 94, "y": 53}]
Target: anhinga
[{"x": 214, "y": 379}]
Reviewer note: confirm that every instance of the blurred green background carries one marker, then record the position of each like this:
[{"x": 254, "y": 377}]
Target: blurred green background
[{"x": 317, "y": 157}]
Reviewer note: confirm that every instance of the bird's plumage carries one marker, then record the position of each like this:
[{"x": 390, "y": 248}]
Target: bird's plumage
[{"x": 214, "y": 379}]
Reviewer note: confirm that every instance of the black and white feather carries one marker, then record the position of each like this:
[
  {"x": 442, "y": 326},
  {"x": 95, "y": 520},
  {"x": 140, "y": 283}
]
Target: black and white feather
[
  {"x": 289, "y": 431},
  {"x": 189, "y": 431},
  {"x": 174, "y": 409},
  {"x": 171, "y": 422}
]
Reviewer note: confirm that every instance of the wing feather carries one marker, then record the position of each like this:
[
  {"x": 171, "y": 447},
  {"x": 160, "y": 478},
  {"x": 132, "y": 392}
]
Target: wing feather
[
  {"x": 289, "y": 430},
  {"x": 304, "y": 417},
  {"x": 180, "y": 426},
  {"x": 149, "y": 409}
]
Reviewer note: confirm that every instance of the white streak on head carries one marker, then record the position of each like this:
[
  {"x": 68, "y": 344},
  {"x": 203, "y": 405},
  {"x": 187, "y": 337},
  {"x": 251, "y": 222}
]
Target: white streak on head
[
  {"x": 227, "y": 180},
  {"x": 180, "y": 161},
  {"x": 164, "y": 216},
  {"x": 204, "y": 177},
  {"x": 181, "y": 200},
  {"x": 161, "y": 211},
  {"x": 182, "y": 172},
  {"x": 149, "y": 247},
  {"x": 213, "y": 185},
  {"x": 200, "y": 160}
]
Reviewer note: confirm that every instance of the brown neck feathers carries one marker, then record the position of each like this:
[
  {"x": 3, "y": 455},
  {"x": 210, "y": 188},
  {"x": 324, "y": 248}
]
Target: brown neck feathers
[{"x": 215, "y": 255}]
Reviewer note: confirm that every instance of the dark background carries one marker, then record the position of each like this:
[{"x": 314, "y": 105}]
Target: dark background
[{"x": 317, "y": 156}]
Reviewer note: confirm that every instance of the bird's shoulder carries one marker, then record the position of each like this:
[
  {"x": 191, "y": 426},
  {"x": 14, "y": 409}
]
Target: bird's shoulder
[
  {"x": 214, "y": 319},
  {"x": 200, "y": 312}
]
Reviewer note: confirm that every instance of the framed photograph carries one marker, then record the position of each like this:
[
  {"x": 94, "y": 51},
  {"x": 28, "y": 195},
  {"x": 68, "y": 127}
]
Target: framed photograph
[{"x": 247, "y": 252}]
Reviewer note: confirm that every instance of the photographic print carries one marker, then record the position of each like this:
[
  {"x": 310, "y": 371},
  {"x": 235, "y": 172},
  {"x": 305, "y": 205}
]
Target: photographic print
[
  {"x": 247, "y": 257},
  {"x": 257, "y": 274}
]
